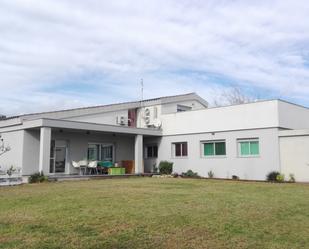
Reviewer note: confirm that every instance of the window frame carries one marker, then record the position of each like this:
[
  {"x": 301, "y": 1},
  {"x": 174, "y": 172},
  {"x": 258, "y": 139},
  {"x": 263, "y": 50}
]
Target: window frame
[
  {"x": 153, "y": 156},
  {"x": 249, "y": 140},
  {"x": 181, "y": 149},
  {"x": 100, "y": 147},
  {"x": 202, "y": 146},
  {"x": 183, "y": 108}
]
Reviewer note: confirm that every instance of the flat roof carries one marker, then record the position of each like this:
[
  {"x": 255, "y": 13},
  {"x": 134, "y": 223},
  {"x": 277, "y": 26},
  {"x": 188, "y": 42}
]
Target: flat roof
[{"x": 83, "y": 126}]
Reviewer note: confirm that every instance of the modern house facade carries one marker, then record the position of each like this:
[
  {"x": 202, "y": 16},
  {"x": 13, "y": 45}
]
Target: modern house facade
[{"x": 247, "y": 140}]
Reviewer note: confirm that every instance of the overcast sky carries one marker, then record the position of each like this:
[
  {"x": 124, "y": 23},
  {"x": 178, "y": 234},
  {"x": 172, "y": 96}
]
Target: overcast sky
[{"x": 63, "y": 54}]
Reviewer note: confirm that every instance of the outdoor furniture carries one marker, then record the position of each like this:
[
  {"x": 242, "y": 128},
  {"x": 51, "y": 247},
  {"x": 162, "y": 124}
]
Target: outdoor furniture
[
  {"x": 116, "y": 171},
  {"x": 83, "y": 166},
  {"x": 92, "y": 166},
  {"x": 129, "y": 166},
  {"x": 76, "y": 166},
  {"x": 104, "y": 165}
]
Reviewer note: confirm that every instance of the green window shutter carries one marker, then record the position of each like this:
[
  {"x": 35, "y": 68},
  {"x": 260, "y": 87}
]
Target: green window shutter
[
  {"x": 220, "y": 148},
  {"x": 209, "y": 149},
  {"x": 244, "y": 148},
  {"x": 254, "y": 148}
]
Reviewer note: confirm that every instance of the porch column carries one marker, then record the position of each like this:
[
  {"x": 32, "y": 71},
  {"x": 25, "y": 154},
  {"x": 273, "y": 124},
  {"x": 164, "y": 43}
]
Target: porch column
[
  {"x": 45, "y": 140},
  {"x": 138, "y": 154}
]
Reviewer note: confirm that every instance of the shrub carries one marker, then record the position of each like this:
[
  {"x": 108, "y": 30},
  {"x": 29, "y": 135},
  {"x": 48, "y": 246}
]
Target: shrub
[
  {"x": 37, "y": 177},
  {"x": 190, "y": 173},
  {"x": 176, "y": 175},
  {"x": 280, "y": 178},
  {"x": 166, "y": 167},
  {"x": 272, "y": 176},
  {"x": 235, "y": 177},
  {"x": 211, "y": 174},
  {"x": 291, "y": 178}
]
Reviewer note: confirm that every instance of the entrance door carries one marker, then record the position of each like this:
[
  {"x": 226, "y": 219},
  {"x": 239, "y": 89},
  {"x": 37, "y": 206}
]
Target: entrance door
[{"x": 58, "y": 159}]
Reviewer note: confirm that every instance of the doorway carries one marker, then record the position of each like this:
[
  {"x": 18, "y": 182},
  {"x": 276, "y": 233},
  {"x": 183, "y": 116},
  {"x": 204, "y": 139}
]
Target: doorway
[{"x": 58, "y": 157}]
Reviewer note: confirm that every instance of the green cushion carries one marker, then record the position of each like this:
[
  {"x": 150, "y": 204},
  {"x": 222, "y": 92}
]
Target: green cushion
[{"x": 106, "y": 164}]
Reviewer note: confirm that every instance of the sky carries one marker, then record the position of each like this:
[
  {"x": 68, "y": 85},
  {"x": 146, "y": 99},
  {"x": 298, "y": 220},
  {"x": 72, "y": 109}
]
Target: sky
[{"x": 64, "y": 54}]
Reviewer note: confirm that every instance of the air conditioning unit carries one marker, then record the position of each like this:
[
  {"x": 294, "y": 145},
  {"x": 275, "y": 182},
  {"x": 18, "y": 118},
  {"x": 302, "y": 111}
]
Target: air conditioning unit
[
  {"x": 122, "y": 120},
  {"x": 150, "y": 114}
]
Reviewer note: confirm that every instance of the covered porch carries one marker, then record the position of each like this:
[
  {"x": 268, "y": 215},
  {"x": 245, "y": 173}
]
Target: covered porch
[{"x": 61, "y": 147}]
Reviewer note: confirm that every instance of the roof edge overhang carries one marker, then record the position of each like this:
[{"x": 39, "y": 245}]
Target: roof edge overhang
[{"x": 86, "y": 126}]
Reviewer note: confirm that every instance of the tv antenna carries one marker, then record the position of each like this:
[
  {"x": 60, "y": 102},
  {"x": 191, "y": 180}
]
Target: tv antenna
[{"x": 142, "y": 90}]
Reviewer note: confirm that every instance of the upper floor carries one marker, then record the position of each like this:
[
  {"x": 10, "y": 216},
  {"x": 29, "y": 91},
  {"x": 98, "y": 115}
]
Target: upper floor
[{"x": 181, "y": 114}]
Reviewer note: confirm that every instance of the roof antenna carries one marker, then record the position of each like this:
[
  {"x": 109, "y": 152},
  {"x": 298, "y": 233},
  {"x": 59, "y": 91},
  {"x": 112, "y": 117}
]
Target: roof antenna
[{"x": 142, "y": 90}]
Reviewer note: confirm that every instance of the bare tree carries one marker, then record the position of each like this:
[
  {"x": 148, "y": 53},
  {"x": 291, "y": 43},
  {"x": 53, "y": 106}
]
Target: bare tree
[
  {"x": 3, "y": 148},
  {"x": 233, "y": 96}
]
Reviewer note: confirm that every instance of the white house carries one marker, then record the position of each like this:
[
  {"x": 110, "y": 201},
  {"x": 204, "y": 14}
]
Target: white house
[{"x": 247, "y": 140}]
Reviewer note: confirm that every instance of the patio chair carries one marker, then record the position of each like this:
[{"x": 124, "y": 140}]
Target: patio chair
[
  {"x": 83, "y": 164},
  {"x": 92, "y": 166},
  {"x": 76, "y": 166}
]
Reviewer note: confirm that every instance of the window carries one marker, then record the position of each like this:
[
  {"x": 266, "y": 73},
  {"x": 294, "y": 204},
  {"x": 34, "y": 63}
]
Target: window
[
  {"x": 151, "y": 151},
  {"x": 248, "y": 147},
  {"x": 100, "y": 152},
  {"x": 180, "y": 149},
  {"x": 107, "y": 152},
  {"x": 94, "y": 152},
  {"x": 183, "y": 108},
  {"x": 214, "y": 148}
]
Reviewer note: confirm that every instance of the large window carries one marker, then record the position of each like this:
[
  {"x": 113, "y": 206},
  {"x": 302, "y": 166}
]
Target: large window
[
  {"x": 180, "y": 149},
  {"x": 101, "y": 152},
  {"x": 213, "y": 148},
  {"x": 248, "y": 147},
  {"x": 151, "y": 151}
]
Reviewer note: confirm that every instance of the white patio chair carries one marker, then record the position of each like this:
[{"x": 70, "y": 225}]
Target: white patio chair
[
  {"x": 76, "y": 166},
  {"x": 92, "y": 166},
  {"x": 83, "y": 164}
]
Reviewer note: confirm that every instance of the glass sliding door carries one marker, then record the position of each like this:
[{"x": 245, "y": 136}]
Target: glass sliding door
[
  {"x": 93, "y": 152},
  {"x": 107, "y": 153},
  {"x": 58, "y": 155}
]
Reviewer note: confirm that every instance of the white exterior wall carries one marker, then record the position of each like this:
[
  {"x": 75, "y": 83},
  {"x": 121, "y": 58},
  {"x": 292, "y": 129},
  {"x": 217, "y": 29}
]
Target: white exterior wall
[
  {"x": 172, "y": 107},
  {"x": 293, "y": 116},
  {"x": 14, "y": 157},
  {"x": 251, "y": 168},
  {"x": 294, "y": 157},
  {"x": 101, "y": 118},
  {"x": 31, "y": 152},
  {"x": 238, "y": 117},
  {"x": 110, "y": 117}
]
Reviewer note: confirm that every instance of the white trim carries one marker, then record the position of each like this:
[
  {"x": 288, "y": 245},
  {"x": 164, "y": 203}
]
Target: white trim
[
  {"x": 87, "y": 126},
  {"x": 238, "y": 144},
  {"x": 174, "y": 150},
  {"x": 202, "y": 142}
]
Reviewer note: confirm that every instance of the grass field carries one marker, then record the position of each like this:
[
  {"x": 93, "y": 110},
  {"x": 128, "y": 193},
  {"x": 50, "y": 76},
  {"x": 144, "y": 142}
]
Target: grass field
[{"x": 155, "y": 213}]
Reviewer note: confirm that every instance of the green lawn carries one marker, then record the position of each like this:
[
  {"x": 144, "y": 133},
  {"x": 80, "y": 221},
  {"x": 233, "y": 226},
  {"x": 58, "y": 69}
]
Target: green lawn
[{"x": 155, "y": 213}]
